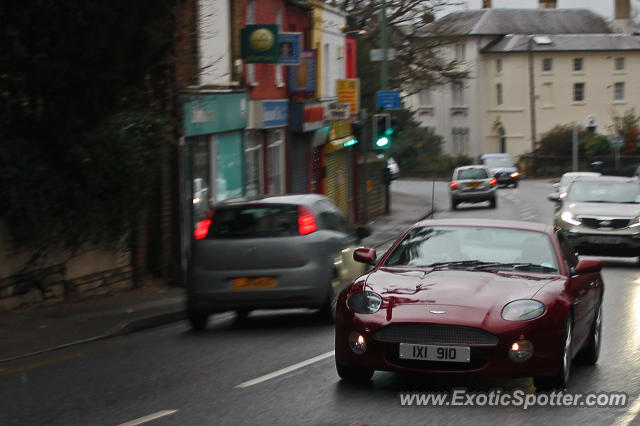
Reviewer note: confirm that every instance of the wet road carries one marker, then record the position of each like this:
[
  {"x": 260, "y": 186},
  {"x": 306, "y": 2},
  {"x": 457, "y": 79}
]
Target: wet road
[{"x": 277, "y": 367}]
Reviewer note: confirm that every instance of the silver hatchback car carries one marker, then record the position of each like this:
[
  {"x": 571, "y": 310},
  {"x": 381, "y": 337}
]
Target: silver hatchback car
[
  {"x": 275, "y": 252},
  {"x": 472, "y": 184}
]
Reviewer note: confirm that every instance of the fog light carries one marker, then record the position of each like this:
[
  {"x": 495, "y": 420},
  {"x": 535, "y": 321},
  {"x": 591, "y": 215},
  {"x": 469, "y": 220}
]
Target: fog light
[
  {"x": 357, "y": 343},
  {"x": 521, "y": 351}
]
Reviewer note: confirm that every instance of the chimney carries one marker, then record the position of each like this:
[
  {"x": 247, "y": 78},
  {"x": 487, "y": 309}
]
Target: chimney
[
  {"x": 486, "y": 4},
  {"x": 622, "y": 22},
  {"x": 547, "y": 4}
]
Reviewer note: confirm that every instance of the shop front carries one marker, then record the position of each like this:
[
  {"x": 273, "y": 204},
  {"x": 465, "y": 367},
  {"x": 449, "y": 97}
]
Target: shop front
[
  {"x": 339, "y": 174},
  {"x": 306, "y": 120}
]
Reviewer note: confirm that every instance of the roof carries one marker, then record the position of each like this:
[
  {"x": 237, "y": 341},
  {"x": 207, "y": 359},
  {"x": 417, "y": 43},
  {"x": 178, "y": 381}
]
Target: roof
[
  {"x": 278, "y": 199},
  {"x": 566, "y": 43},
  {"x": 607, "y": 179},
  {"x": 488, "y": 223},
  {"x": 518, "y": 21}
]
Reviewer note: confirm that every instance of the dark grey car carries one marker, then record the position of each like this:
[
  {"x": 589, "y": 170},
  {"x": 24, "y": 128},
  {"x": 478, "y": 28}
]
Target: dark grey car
[{"x": 275, "y": 252}]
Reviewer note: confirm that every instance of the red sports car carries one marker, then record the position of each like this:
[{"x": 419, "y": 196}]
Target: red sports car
[{"x": 472, "y": 296}]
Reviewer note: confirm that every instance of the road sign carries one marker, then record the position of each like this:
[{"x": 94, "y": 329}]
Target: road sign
[
  {"x": 616, "y": 141},
  {"x": 377, "y": 55},
  {"x": 388, "y": 99}
]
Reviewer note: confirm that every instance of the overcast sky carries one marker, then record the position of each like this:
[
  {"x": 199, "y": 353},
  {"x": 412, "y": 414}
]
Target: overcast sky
[{"x": 601, "y": 7}]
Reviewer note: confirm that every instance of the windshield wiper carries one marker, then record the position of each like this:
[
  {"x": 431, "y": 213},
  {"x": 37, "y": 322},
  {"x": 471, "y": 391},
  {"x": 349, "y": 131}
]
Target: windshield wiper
[
  {"x": 518, "y": 266},
  {"x": 463, "y": 263}
]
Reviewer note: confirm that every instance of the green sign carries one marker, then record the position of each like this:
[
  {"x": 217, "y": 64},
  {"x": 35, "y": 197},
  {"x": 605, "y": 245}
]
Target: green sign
[
  {"x": 207, "y": 113},
  {"x": 260, "y": 44}
]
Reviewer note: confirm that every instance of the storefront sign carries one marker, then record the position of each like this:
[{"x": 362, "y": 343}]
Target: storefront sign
[
  {"x": 349, "y": 92},
  {"x": 260, "y": 43},
  {"x": 302, "y": 78},
  {"x": 337, "y": 111},
  {"x": 275, "y": 113},
  {"x": 340, "y": 129},
  {"x": 205, "y": 114},
  {"x": 306, "y": 116},
  {"x": 290, "y": 45}
]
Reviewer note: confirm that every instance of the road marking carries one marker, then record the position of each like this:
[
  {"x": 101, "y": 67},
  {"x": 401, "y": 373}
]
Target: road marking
[
  {"x": 149, "y": 418},
  {"x": 631, "y": 414},
  {"x": 285, "y": 370}
]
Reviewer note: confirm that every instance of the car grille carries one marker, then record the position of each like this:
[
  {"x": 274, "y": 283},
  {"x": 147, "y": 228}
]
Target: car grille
[
  {"x": 436, "y": 334},
  {"x": 599, "y": 222}
]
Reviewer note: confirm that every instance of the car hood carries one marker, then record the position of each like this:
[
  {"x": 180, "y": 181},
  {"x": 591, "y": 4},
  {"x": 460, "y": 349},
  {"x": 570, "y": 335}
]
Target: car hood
[
  {"x": 504, "y": 170},
  {"x": 467, "y": 296},
  {"x": 604, "y": 209}
]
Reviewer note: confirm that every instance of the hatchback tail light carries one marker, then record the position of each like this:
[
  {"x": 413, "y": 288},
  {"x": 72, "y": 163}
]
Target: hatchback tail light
[
  {"x": 493, "y": 181},
  {"x": 202, "y": 229},
  {"x": 453, "y": 184},
  {"x": 306, "y": 221}
]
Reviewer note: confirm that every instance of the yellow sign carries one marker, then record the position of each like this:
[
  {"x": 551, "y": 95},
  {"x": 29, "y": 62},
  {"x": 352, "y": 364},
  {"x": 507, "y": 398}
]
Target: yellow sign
[
  {"x": 261, "y": 40},
  {"x": 349, "y": 93},
  {"x": 340, "y": 129}
]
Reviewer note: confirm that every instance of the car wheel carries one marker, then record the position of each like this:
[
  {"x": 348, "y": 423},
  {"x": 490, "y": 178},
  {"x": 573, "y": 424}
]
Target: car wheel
[
  {"x": 328, "y": 309},
  {"x": 454, "y": 204},
  {"x": 561, "y": 378},
  {"x": 197, "y": 320},
  {"x": 242, "y": 314},
  {"x": 515, "y": 184},
  {"x": 354, "y": 374},
  {"x": 591, "y": 352},
  {"x": 492, "y": 203}
]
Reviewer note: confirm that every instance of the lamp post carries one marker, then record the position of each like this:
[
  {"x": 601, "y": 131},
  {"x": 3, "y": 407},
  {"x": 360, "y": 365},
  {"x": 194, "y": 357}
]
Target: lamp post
[
  {"x": 384, "y": 45},
  {"x": 532, "y": 95}
]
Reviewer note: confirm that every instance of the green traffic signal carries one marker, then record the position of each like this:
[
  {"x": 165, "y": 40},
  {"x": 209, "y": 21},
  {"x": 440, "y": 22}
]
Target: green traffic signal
[{"x": 382, "y": 131}]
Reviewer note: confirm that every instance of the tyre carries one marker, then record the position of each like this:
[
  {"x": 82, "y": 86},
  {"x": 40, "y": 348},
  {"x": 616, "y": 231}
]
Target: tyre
[
  {"x": 561, "y": 378},
  {"x": 454, "y": 204},
  {"x": 354, "y": 374},
  {"x": 589, "y": 355},
  {"x": 242, "y": 314},
  {"x": 197, "y": 320},
  {"x": 328, "y": 309},
  {"x": 515, "y": 184},
  {"x": 492, "y": 203}
]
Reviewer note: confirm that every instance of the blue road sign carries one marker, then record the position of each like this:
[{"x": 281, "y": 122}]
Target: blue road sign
[{"x": 388, "y": 99}]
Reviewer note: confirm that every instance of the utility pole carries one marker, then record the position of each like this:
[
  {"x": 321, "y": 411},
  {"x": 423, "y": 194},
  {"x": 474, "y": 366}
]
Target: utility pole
[
  {"x": 532, "y": 96},
  {"x": 384, "y": 45}
]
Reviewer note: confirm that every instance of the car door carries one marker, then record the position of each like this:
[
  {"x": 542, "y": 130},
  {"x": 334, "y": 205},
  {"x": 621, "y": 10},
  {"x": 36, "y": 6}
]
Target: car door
[{"x": 583, "y": 289}]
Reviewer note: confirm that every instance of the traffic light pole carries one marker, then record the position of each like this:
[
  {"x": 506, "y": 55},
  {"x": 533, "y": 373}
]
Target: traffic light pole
[{"x": 384, "y": 44}]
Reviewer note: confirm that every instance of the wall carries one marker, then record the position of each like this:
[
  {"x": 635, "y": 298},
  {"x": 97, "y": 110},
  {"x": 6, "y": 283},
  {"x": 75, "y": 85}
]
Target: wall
[{"x": 215, "y": 46}]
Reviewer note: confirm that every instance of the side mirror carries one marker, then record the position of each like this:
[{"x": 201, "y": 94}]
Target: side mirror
[
  {"x": 363, "y": 232},
  {"x": 365, "y": 255},
  {"x": 555, "y": 197},
  {"x": 585, "y": 266}
]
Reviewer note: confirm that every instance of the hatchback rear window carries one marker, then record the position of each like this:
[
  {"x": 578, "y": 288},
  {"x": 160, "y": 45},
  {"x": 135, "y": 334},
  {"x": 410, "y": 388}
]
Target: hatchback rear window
[
  {"x": 472, "y": 174},
  {"x": 254, "y": 221}
]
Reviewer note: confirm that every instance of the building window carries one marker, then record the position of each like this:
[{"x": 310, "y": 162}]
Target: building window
[
  {"x": 547, "y": 64},
  {"x": 460, "y": 52},
  {"x": 619, "y": 64},
  {"x": 486, "y": 4},
  {"x": 460, "y": 140},
  {"x": 254, "y": 157},
  {"x": 499, "y": 93},
  {"x": 424, "y": 97},
  {"x": 275, "y": 157},
  {"x": 577, "y": 64},
  {"x": 279, "y": 77},
  {"x": 457, "y": 93},
  {"x": 499, "y": 65},
  {"x": 618, "y": 93},
  {"x": 578, "y": 92},
  {"x": 251, "y": 19}
]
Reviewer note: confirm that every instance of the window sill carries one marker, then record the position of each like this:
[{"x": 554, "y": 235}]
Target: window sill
[
  {"x": 547, "y": 107},
  {"x": 620, "y": 72},
  {"x": 621, "y": 102},
  {"x": 578, "y": 103},
  {"x": 578, "y": 73},
  {"x": 254, "y": 84}
]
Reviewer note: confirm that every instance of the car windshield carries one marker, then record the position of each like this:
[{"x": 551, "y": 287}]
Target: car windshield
[
  {"x": 254, "y": 221},
  {"x": 567, "y": 178},
  {"x": 472, "y": 174},
  {"x": 497, "y": 162},
  {"x": 475, "y": 248},
  {"x": 604, "y": 192}
]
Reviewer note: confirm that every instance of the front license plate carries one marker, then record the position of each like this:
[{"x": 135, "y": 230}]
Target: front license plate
[
  {"x": 604, "y": 240},
  {"x": 253, "y": 283},
  {"x": 435, "y": 353}
]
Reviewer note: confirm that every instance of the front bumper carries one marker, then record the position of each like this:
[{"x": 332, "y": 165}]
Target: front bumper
[
  {"x": 486, "y": 360},
  {"x": 622, "y": 242}
]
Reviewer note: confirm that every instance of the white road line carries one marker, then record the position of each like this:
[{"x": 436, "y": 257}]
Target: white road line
[
  {"x": 630, "y": 414},
  {"x": 149, "y": 418},
  {"x": 285, "y": 370}
]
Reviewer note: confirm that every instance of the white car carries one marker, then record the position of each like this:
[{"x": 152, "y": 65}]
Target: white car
[{"x": 569, "y": 177}]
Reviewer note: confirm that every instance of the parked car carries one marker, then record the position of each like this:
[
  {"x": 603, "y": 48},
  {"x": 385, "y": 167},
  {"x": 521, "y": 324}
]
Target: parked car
[
  {"x": 502, "y": 167},
  {"x": 562, "y": 185},
  {"x": 394, "y": 169},
  {"x": 273, "y": 252},
  {"x": 601, "y": 215},
  {"x": 472, "y": 296},
  {"x": 472, "y": 184}
]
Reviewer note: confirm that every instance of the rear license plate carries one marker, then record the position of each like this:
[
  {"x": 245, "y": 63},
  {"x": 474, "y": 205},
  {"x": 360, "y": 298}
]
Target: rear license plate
[
  {"x": 473, "y": 185},
  {"x": 253, "y": 283},
  {"x": 604, "y": 240},
  {"x": 435, "y": 353}
]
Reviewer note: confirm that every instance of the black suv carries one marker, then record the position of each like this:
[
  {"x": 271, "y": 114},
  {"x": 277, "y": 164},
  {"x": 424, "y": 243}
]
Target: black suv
[{"x": 502, "y": 167}]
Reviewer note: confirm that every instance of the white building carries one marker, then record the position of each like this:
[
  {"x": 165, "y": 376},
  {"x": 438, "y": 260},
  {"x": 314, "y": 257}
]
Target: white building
[{"x": 490, "y": 111}]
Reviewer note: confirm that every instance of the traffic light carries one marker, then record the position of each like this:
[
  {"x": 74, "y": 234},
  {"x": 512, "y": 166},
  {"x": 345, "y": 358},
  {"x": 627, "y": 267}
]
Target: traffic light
[{"x": 382, "y": 131}]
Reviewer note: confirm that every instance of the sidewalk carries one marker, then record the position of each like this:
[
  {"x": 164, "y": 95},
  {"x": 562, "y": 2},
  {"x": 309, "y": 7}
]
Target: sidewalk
[{"x": 36, "y": 330}]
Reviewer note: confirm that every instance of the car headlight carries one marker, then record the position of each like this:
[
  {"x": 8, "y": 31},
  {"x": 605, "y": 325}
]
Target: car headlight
[
  {"x": 522, "y": 310},
  {"x": 570, "y": 218},
  {"x": 635, "y": 222},
  {"x": 365, "y": 302},
  {"x": 515, "y": 174}
]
